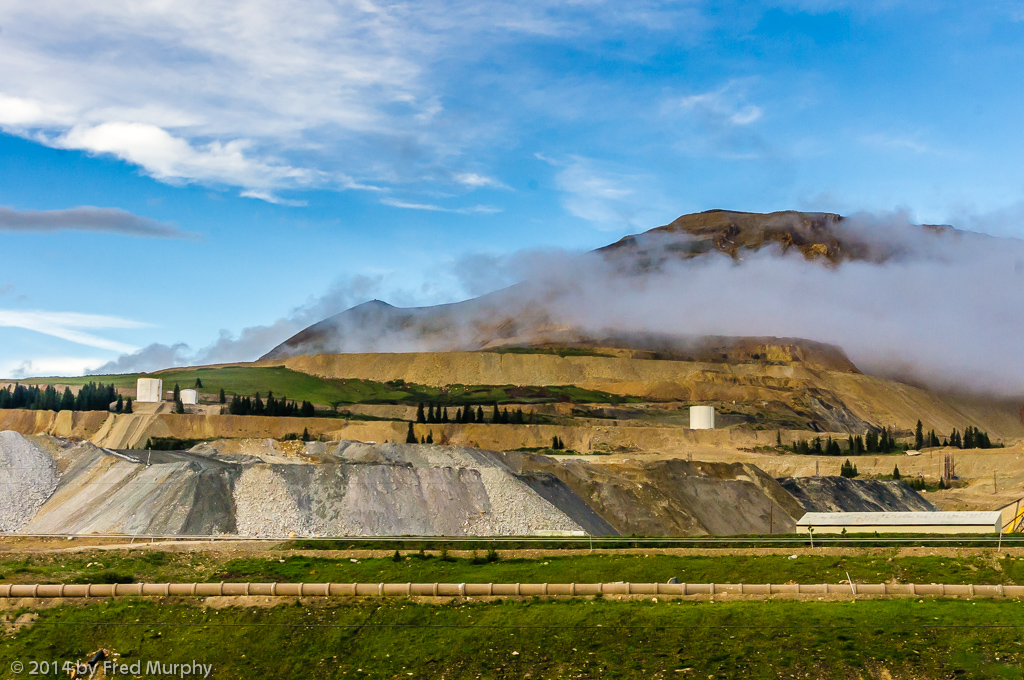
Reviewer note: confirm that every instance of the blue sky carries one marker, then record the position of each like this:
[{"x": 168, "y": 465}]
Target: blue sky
[{"x": 180, "y": 172}]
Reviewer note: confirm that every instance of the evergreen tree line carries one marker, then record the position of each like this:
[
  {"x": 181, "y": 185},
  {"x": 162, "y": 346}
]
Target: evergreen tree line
[
  {"x": 872, "y": 442},
  {"x": 92, "y": 397},
  {"x": 433, "y": 413},
  {"x": 255, "y": 406},
  {"x": 885, "y": 442}
]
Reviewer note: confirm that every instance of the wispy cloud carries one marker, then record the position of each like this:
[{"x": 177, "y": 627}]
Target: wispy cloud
[
  {"x": 430, "y": 207},
  {"x": 475, "y": 181},
  {"x": 87, "y": 218},
  {"x": 896, "y": 142},
  {"x": 723, "y": 104},
  {"x": 70, "y": 326},
  {"x": 609, "y": 197}
]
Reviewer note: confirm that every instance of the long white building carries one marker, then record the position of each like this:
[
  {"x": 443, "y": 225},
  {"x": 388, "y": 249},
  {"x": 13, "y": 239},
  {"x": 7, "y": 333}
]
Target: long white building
[{"x": 988, "y": 522}]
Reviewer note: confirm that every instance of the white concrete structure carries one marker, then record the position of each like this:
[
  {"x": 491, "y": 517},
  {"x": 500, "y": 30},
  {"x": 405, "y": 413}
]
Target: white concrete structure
[
  {"x": 988, "y": 522},
  {"x": 149, "y": 390},
  {"x": 702, "y": 417},
  {"x": 189, "y": 397}
]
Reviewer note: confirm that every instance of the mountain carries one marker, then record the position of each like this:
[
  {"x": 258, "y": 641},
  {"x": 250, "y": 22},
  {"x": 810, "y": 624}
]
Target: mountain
[{"x": 520, "y": 316}]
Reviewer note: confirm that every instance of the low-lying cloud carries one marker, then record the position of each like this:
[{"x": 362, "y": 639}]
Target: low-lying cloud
[
  {"x": 87, "y": 218},
  {"x": 251, "y": 342},
  {"x": 938, "y": 307}
]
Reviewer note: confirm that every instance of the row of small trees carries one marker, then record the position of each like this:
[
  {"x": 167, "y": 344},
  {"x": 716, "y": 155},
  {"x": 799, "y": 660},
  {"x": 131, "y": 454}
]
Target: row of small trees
[
  {"x": 433, "y": 413},
  {"x": 92, "y": 397},
  {"x": 255, "y": 406}
]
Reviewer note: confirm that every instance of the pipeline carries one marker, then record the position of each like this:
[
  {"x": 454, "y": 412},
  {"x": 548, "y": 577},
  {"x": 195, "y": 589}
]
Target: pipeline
[{"x": 501, "y": 589}]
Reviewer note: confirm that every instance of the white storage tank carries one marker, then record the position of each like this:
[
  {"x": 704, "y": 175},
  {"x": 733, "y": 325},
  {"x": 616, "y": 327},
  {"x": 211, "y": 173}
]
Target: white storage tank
[
  {"x": 702, "y": 417},
  {"x": 189, "y": 397},
  {"x": 149, "y": 390}
]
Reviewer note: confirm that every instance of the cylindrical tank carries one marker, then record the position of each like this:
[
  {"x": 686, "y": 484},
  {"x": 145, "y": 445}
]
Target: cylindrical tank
[
  {"x": 189, "y": 397},
  {"x": 149, "y": 390},
  {"x": 702, "y": 417}
]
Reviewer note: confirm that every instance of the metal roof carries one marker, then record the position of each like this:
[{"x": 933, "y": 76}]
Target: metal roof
[{"x": 834, "y": 519}]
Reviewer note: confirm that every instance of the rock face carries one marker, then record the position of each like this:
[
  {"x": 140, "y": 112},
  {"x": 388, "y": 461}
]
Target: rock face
[{"x": 840, "y": 494}]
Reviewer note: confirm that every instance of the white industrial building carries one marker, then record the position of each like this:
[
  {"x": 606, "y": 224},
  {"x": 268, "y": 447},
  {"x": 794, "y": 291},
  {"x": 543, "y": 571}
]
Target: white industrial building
[
  {"x": 988, "y": 522},
  {"x": 149, "y": 390},
  {"x": 189, "y": 397},
  {"x": 702, "y": 417}
]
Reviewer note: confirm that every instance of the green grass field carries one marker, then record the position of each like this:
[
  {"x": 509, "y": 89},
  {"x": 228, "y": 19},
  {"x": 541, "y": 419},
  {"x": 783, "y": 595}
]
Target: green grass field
[
  {"x": 158, "y": 566},
  {"x": 541, "y": 639},
  {"x": 284, "y": 382}
]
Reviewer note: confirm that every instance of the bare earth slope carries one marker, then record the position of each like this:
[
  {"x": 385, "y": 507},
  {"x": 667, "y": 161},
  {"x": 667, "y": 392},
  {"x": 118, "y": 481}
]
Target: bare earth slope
[{"x": 839, "y": 494}]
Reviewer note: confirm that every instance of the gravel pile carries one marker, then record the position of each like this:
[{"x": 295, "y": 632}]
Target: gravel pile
[
  {"x": 516, "y": 509},
  {"x": 27, "y": 478}
]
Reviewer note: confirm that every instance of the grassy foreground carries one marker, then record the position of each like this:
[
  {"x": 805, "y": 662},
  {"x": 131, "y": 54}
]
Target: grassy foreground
[
  {"x": 543, "y": 639},
  {"x": 157, "y": 567}
]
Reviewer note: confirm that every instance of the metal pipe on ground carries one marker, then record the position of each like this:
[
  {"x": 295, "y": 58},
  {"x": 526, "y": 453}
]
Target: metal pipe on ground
[{"x": 48, "y": 591}]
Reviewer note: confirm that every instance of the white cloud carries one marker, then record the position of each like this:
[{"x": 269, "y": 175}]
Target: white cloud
[
  {"x": 49, "y": 366},
  {"x": 267, "y": 96},
  {"x": 172, "y": 158},
  {"x": 430, "y": 207},
  {"x": 475, "y": 181},
  {"x": 70, "y": 326}
]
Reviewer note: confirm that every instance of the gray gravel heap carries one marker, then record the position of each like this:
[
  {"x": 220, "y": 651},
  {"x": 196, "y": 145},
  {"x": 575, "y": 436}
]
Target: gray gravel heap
[{"x": 27, "y": 478}]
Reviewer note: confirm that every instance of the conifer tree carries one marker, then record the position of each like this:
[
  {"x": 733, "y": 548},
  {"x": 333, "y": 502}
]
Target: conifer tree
[
  {"x": 896, "y": 472},
  {"x": 223, "y": 397},
  {"x": 305, "y": 434},
  {"x": 199, "y": 383},
  {"x": 919, "y": 436},
  {"x": 128, "y": 405},
  {"x": 67, "y": 402},
  {"x": 444, "y": 415},
  {"x": 177, "y": 392},
  {"x": 410, "y": 438},
  {"x": 420, "y": 415},
  {"x": 479, "y": 414},
  {"x": 496, "y": 416},
  {"x": 119, "y": 407},
  {"x": 430, "y": 437}
]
